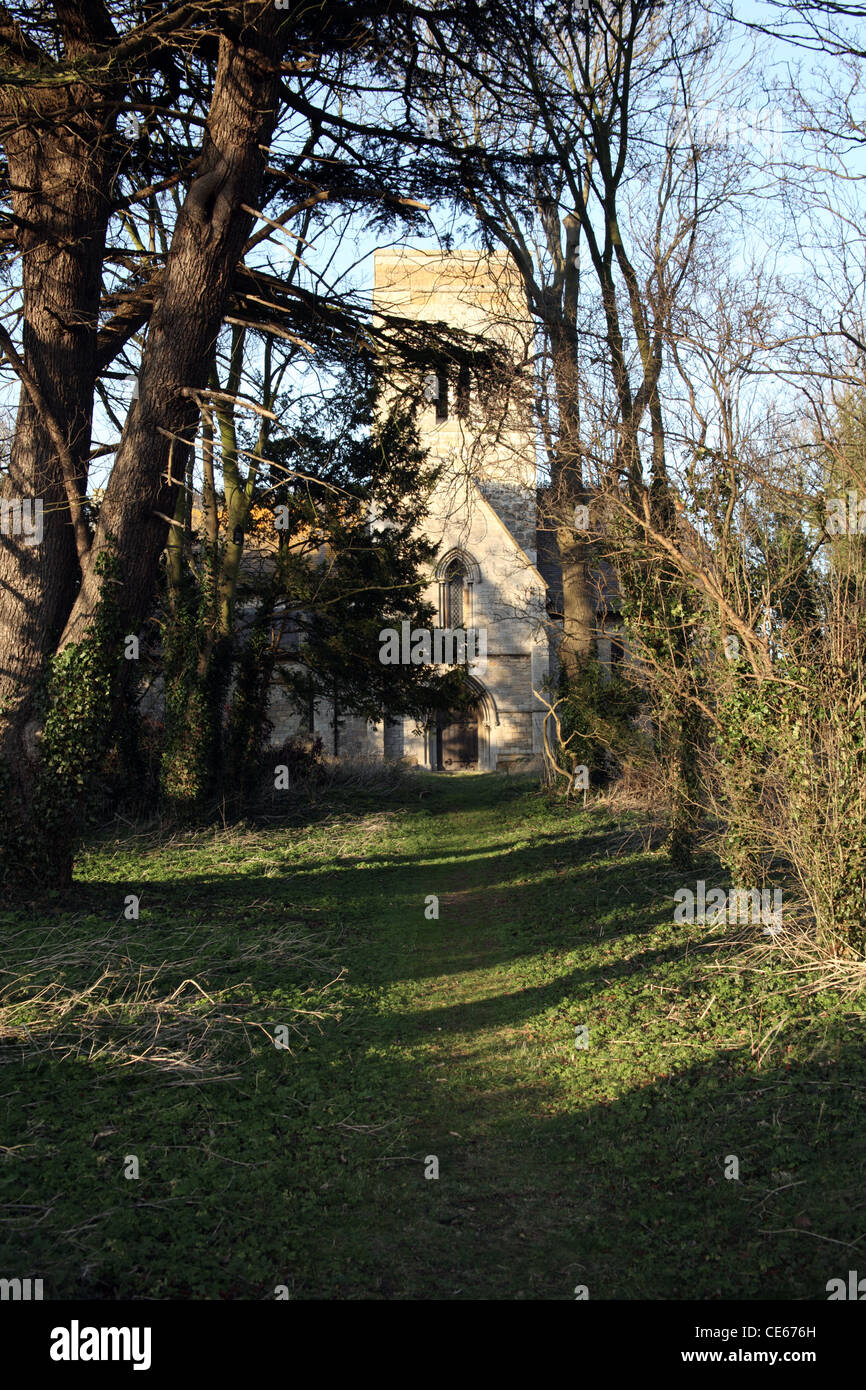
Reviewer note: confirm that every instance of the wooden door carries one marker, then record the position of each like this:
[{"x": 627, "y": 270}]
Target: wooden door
[{"x": 458, "y": 741}]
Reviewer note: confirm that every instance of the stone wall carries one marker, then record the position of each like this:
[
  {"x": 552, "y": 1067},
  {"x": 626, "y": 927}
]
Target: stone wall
[{"x": 516, "y": 507}]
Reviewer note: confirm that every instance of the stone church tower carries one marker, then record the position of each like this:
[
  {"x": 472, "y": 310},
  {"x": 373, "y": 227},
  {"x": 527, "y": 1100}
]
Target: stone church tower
[
  {"x": 482, "y": 517},
  {"x": 483, "y": 513}
]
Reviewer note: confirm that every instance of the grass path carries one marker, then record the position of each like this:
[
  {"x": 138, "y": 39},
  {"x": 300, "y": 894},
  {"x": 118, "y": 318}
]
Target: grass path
[{"x": 450, "y": 1039}]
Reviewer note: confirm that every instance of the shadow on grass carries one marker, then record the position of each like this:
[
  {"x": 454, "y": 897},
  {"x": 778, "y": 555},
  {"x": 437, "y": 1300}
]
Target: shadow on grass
[
  {"x": 306, "y": 1167},
  {"x": 310, "y": 1172}
]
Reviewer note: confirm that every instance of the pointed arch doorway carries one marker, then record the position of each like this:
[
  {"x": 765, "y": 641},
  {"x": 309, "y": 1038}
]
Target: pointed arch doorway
[
  {"x": 457, "y": 740},
  {"x": 465, "y": 739}
]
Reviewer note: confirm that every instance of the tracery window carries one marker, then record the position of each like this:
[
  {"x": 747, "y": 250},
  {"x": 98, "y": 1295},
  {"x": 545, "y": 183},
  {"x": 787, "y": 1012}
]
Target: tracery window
[
  {"x": 436, "y": 392},
  {"x": 442, "y": 396},
  {"x": 455, "y": 582}
]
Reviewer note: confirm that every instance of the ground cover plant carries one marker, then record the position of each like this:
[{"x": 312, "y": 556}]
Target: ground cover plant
[{"x": 299, "y": 1171}]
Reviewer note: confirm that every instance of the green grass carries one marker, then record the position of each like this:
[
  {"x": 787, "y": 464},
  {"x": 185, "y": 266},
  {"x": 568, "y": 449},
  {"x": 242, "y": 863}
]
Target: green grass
[{"x": 410, "y": 1038}]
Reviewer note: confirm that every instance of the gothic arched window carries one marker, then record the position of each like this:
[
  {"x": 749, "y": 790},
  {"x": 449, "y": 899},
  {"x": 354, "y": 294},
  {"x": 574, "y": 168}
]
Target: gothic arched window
[
  {"x": 442, "y": 395},
  {"x": 455, "y": 581},
  {"x": 436, "y": 392}
]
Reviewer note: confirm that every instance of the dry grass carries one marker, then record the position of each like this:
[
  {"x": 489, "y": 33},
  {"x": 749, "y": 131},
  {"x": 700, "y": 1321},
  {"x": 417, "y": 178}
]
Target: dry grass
[
  {"x": 129, "y": 1012},
  {"x": 637, "y": 789},
  {"x": 795, "y": 960},
  {"x": 796, "y": 957}
]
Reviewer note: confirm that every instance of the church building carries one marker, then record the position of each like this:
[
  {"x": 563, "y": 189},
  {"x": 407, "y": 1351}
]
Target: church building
[
  {"x": 483, "y": 517},
  {"x": 482, "y": 514}
]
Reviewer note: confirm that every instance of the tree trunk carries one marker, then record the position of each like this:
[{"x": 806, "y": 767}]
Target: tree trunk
[
  {"x": 209, "y": 237},
  {"x": 569, "y": 491},
  {"x": 119, "y": 578},
  {"x": 58, "y": 171}
]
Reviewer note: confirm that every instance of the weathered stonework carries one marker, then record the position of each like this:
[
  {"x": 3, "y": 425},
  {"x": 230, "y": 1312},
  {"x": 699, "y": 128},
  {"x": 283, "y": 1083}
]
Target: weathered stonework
[{"x": 482, "y": 515}]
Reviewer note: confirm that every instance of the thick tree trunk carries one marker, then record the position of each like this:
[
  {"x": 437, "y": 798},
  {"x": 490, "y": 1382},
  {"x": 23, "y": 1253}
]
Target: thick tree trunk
[
  {"x": 120, "y": 571},
  {"x": 209, "y": 237},
  {"x": 58, "y": 171},
  {"x": 578, "y": 601},
  {"x": 569, "y": 491}
]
